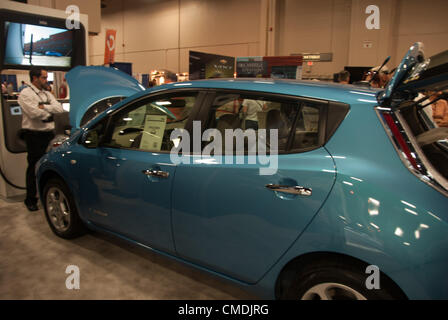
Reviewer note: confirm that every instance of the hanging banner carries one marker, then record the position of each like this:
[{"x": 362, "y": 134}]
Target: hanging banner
[
  {"x": 206, "y": 66},
  {"x": 251, "y": 67},
  {"x": 283, "y": 67},
  {"x": 109, "y": 51}
]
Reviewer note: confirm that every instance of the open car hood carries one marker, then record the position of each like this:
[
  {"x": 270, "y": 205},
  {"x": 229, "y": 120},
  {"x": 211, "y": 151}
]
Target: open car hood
[
  {"x": 415, "y": 74},
  {"x": 89, "y": 85}
]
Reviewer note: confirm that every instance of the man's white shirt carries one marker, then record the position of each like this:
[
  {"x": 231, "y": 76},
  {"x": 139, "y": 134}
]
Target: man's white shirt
[
  {"x": 253, "y": 107},
  {"x": 32, "y": 115}
]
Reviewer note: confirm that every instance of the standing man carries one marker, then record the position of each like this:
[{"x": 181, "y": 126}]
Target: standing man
[
  {"x": 23, "y": 86},
  {"x": 344, "y": 77},
  {"x": 4, "y": 89},
  {"x": 10, "y": 90},
  {"x": 38, "y": 107},
  {"x": 250, "y": 112},
  {"x": 439, "y": 109}
]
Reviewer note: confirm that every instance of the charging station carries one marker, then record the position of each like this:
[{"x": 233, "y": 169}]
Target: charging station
[{"x": 32, "y": 36}]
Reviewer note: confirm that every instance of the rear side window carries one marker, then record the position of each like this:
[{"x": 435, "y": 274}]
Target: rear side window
[
  {"x": 308, "y": 126},
  {"x": 301, "y": 123}
]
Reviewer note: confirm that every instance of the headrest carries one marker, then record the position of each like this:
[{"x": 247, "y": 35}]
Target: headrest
[
  {"x": 228, "y": 121},
  {"x": 275, "y": 120}
]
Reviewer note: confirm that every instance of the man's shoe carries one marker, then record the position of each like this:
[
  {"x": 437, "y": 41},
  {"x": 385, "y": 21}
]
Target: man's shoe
[{"x": 31, "y": 206}]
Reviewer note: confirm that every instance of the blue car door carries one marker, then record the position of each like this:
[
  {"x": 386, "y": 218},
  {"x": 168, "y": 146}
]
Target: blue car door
[
  {"x": 126, "y": 181},
  {"x": 236, "y": 219}
]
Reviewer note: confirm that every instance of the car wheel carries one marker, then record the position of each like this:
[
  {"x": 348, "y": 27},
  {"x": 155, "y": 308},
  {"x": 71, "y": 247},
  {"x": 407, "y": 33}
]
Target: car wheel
[
  {"x": 335, "y": 281},
  {"x": 60, "y": 210}
]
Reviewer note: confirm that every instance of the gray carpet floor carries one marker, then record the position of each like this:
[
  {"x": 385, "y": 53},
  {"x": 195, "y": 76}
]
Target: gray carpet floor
[{"x": 33, "y": 262}]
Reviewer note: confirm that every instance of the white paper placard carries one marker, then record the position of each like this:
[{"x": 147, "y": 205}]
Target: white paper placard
[{"x": 153, "y": 132}]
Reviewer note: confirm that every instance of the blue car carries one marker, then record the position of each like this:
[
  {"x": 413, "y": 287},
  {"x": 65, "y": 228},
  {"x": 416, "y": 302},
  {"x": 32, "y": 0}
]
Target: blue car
[
  {"x": 53, "y": 54},
  {"x": 289, "y": 189}
]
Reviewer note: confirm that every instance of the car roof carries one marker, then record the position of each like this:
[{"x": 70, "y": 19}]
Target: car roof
[{"x": 311, "y": 89}]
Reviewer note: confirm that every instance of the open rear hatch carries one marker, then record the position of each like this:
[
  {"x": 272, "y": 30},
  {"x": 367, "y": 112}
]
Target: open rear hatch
[
  {"x": 415, "y": 74},
  {"x": 406, "y": 113}
]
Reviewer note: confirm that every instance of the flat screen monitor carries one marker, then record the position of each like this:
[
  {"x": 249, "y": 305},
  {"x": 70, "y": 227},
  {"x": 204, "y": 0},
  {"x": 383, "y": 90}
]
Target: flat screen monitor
[{"x": 35, "y": 45}]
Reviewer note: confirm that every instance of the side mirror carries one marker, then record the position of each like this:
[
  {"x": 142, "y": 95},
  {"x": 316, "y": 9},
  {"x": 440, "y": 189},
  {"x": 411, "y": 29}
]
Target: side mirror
[{"x": 90, "y": 139}]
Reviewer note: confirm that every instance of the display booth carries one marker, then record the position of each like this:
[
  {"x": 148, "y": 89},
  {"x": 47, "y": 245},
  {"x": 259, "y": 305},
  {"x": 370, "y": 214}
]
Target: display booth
[
  {"x": 207, "y": 66},
  {"x": 32, "y": 36},
  {"x": 279, "y": 67}
]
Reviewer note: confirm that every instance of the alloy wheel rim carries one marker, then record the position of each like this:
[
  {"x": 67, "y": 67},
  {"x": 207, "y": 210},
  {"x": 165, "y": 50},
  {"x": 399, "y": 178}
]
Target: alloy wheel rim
[
  {"x": 58, "y": 209},
  {"x": 332, "y": 291}
]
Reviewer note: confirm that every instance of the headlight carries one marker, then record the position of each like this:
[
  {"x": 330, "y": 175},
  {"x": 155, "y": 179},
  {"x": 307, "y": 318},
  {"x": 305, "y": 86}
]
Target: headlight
[{"x": 57, "y": 141}]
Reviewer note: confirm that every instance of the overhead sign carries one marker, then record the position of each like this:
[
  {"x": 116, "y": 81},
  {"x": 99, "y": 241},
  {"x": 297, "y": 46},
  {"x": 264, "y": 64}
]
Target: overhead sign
[
  {"x": 286, "y": 67},
  {"x": 109, "y": 51},
  {"x": 251, "y": 66},
  {"x": 317, "y": 56}
]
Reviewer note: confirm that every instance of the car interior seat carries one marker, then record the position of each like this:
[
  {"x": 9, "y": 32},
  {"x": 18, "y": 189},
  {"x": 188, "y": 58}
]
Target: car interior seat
[
  {"x": 228, "y": 121},
  {"x": 275, "y": 120}
]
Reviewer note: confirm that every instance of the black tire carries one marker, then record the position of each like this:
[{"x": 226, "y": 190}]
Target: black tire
[
  {"x": 340, "y": 281},
  {"x": 61, "y": 213}
]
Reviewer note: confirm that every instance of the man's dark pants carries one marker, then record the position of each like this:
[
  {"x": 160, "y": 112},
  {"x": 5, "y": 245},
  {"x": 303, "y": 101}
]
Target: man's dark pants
[{"x": 36, "y": 144}]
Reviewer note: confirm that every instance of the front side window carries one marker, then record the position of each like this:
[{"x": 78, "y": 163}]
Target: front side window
[{"x": 147, "y": 124}]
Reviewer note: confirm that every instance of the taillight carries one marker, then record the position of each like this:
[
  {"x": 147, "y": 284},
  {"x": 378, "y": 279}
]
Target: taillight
[
  {"x": 409, "y": 150},
  {"x": 400, "y": 140}
]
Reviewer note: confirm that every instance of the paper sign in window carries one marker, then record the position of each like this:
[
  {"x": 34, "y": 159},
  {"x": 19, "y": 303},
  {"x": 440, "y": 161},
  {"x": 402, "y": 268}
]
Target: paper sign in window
[
  {"x": 153, "y": 132},
  {"x": 136, "y": 117}
]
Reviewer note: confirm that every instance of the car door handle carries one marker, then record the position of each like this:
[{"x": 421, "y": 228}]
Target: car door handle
[
  {"x": 156, "y": 173},
  {"x": 302, "y": 191}
]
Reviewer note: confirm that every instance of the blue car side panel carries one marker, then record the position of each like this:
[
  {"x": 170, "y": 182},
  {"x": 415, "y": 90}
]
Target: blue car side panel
[
  {"x": 116, "y": 195},
  {"x": 226, "y": 219},
  {"x": 402, "y": 213},
  {"x": 378, "y": 212},
  {"x": 58, "y": 160}
]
